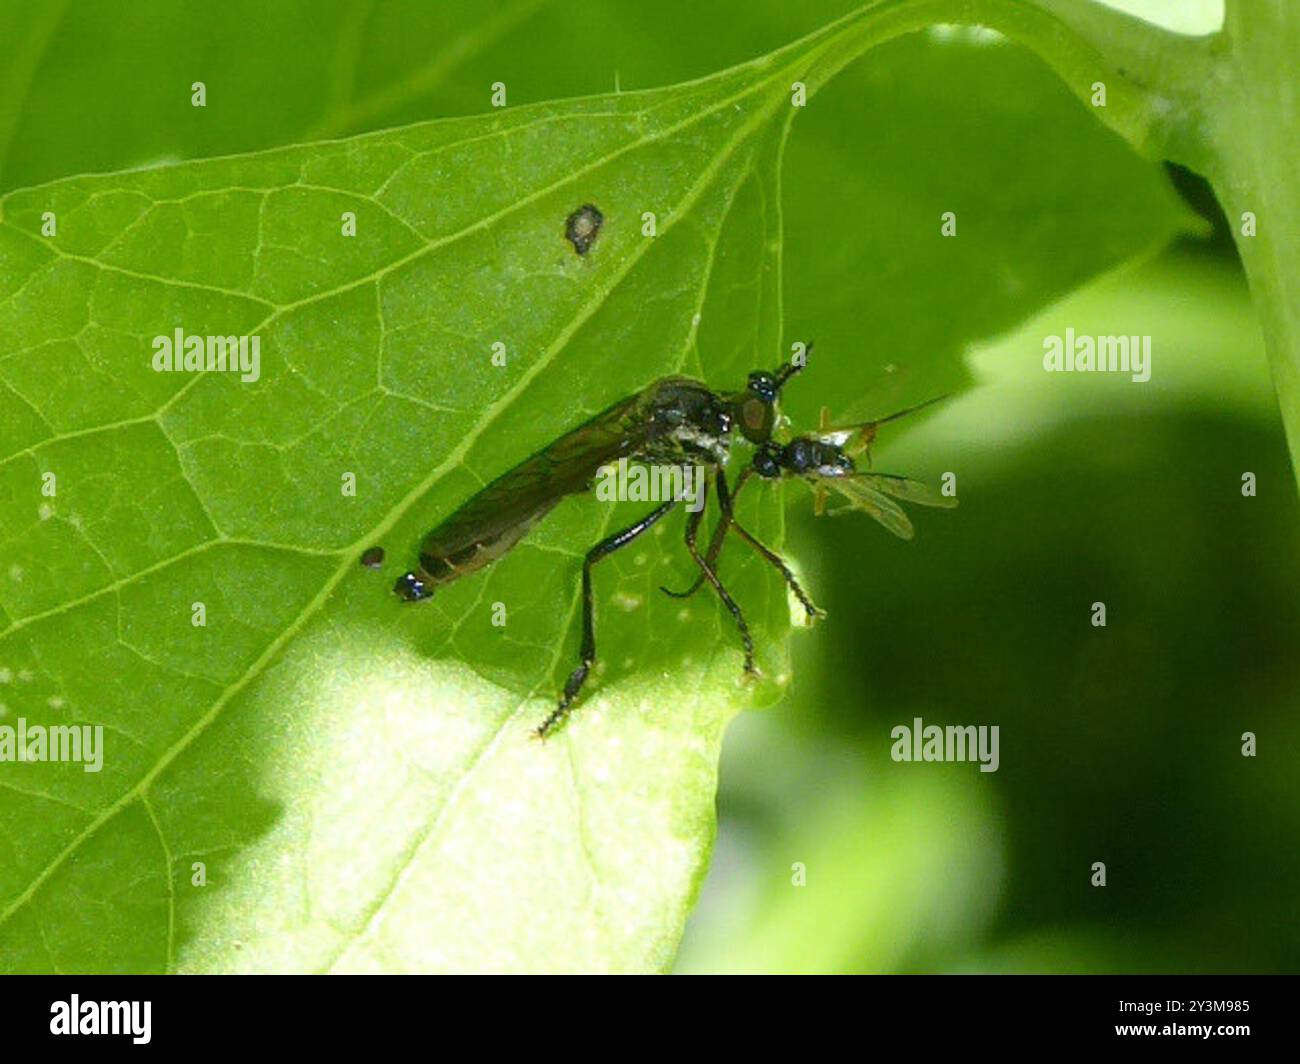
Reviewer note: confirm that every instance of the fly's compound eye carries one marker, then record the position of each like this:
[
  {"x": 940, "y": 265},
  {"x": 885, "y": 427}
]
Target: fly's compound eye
[
  {"x": 755, "y": 419},
  {"x": 767, "y": 462},
  {"x": 763, "y": 385}
]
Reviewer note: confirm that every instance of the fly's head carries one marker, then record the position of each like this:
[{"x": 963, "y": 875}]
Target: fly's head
[{"x": 754, "y": 409}]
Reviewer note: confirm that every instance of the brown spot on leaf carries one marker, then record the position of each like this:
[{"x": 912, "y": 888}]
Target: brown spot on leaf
[{"x": 583, "y": 226}]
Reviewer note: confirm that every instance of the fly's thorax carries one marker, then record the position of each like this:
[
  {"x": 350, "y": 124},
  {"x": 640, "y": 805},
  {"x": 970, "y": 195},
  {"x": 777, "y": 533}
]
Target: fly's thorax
[
  {"x": 691, "y": 423},
  {"x": 701, "y": 445},
  {"x": 686, "y": 445},
  {"x": 681, "y": 401}
]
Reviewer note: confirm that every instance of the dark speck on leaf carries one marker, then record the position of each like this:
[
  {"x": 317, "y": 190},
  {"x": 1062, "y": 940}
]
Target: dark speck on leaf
[
  {"x": 373, "y": 558},
  {"x": 583, "y": 226}
]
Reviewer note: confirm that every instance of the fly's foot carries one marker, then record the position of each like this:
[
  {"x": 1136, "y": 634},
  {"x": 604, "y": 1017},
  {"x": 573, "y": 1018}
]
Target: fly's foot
[
  {"x": 543, "y": 730},
  {"x": 812, "y": 612},
  {"x": 571, "y": 688}
]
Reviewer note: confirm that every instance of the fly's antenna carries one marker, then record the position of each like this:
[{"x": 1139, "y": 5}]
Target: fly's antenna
[
  {"x": 869, "y": 427},
  {"x": 795, "y": 365},
  {"x": 912, "y": 409},
  {"x": 864, "y": 434}
]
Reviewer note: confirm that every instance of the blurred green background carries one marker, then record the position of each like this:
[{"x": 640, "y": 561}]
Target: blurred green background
[{"x": 1119, "y": 744}]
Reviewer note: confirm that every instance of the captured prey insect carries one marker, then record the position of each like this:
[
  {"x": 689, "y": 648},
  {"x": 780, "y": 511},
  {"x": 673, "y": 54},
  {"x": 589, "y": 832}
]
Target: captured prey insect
[
  {"x": 826, "y": 461},
  {"x": 674, "y": 421}
]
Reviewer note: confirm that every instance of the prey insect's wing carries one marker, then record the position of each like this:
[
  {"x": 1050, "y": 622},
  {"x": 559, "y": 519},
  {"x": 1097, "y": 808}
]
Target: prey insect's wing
[
  {"x": 905, "y": 489},
  {"x": 861, "y": 496}
]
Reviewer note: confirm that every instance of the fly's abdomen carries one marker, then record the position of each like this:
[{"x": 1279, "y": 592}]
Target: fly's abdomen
[
  {"x": 475, "y": 536},
  {"x": 445, "y": 557}
]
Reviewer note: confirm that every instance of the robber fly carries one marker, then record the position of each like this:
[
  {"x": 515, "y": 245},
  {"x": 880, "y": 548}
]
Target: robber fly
[
  {"x": 827, "y": 461},
  {"x": 673, "y": 421}
]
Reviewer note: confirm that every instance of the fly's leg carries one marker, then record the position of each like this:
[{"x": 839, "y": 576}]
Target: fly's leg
[
  {"x": 711, "y": 556},
  {"x": 724, "y": 503},
  {"x": 715, "y": 543},
  {"x": 587, "y": 655},
  {"x": 707, "y": 573}
]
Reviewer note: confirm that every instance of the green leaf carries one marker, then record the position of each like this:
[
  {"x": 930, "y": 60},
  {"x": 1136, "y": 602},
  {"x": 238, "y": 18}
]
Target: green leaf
[
  {"x": 362, "y": 798},
  {"x": 356, "y": 777},
  {"x": 332, "y": 68},
  {"x": 1223, "y": 105},
  {"x": 1253, "y": 160}
]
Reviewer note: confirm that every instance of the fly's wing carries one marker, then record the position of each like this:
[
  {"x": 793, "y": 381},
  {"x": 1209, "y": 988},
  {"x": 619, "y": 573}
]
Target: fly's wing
[
  {"x": 863, "y": 497},
  {"x": 525, "y": 493},
  {"x": 907, "y": 490}
]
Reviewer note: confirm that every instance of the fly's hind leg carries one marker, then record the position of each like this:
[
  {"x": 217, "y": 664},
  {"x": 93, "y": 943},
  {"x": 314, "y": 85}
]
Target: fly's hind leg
[{"x": 587, "y": 655}]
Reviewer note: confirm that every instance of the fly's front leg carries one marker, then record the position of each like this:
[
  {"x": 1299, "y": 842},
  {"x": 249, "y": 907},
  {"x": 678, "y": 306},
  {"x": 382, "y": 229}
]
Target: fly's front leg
[
  {"x": 724, "y": 503},
  {"x": 707, "y": 572},
  {"x": 587, "y": 655}
]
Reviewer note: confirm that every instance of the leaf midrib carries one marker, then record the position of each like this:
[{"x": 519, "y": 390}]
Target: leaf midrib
[{"x": 432, "y": 831}]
